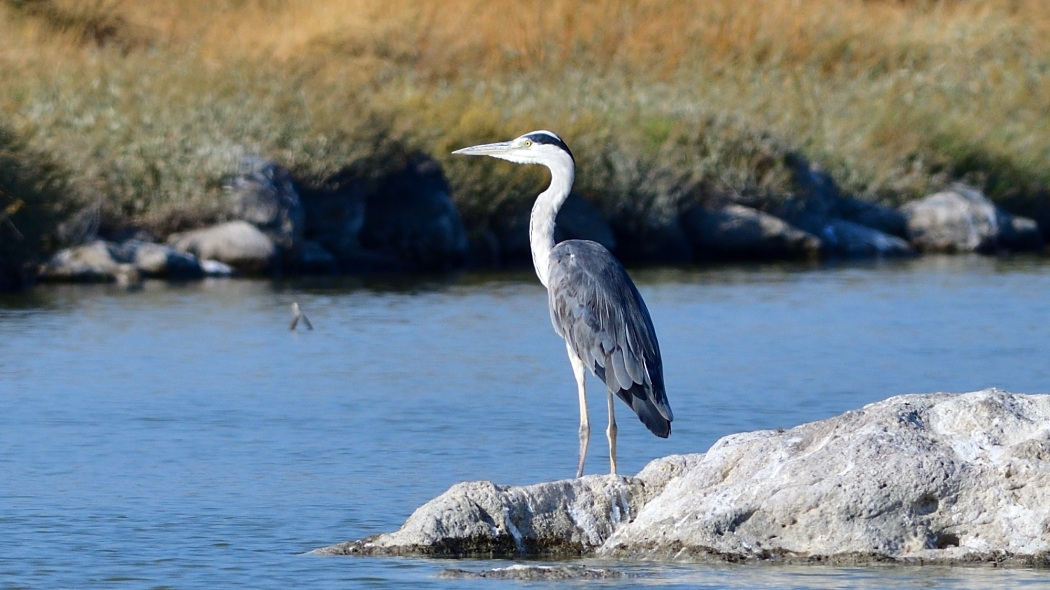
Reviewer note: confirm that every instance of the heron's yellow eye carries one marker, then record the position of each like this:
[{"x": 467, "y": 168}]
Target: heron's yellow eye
[{"x": 528, "y": 143}]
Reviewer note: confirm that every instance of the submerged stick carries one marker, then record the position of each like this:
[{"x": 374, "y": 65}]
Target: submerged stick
[{"x": 297, "y": 314}]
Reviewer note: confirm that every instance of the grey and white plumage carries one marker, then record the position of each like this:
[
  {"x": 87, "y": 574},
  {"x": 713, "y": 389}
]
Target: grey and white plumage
[{"x": 594, "y": 305}]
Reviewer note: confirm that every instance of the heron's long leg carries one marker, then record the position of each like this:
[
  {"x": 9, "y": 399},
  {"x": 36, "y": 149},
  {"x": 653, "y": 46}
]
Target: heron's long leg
[
  {"x": 610, "y": 433},
  {"x": 580, "y": 372}
]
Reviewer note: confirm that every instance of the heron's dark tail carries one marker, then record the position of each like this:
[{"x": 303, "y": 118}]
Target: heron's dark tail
[
  {"x": 650, "y": 405},
  {"x": 649, "y": 410}
]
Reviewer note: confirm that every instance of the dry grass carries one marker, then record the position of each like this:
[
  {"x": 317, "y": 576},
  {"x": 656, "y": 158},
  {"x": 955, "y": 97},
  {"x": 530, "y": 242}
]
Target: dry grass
[{"x": 150, "y": 105}]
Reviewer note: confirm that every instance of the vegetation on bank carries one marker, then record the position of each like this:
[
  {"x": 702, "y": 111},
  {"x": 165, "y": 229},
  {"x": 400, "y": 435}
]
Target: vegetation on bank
[
  {"x": 35, "y": 212},
  {"x": 142, "y": 109}
]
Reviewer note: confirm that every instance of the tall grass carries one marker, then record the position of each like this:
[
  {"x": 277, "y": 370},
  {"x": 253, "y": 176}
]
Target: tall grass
[
  {"x": 35, "y": 200},
  {"x": 151, "y": 105}
]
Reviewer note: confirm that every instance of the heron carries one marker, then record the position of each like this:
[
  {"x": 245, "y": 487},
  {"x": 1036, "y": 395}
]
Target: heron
[{"x": 594, "y": 304}]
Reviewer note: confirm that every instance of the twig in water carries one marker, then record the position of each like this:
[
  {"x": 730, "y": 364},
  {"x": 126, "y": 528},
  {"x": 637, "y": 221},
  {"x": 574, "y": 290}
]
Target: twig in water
[{"x": 297, "y": 314}]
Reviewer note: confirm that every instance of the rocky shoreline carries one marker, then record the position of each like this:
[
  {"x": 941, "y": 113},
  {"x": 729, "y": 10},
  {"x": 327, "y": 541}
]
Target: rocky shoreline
[
  {"x": 408, "y": 222},
  {"x": 914, "y": 479}
]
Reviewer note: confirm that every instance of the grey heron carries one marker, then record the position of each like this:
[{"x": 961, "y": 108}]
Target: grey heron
[{"x": 593, "y": 303}]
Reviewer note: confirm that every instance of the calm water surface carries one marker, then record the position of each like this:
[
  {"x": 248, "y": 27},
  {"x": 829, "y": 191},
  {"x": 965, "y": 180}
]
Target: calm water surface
[{"x": 181, "y": 436}]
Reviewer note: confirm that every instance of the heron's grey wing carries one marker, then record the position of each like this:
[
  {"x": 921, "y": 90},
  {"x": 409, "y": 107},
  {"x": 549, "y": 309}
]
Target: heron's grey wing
[{"x": 596, "y": 307}]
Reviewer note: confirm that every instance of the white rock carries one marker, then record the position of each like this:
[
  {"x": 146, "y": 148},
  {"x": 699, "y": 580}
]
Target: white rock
[
  {"x": 236, "y": 243},
  {"x": 566, "y": 518},
  {"x": 962, "y": 219},
  {"x": 91, "y": 262},
  {"x": 942, "y": 478},
  {"x": 214, "y": 268}
]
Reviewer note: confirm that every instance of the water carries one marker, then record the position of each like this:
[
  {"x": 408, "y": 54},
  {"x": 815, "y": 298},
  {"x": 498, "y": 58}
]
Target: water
[{"x": 181, "y": 436}]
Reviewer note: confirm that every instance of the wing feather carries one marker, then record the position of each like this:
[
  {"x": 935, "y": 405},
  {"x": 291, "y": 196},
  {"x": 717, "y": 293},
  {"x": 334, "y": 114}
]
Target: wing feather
[{"x": 596, "y": 307}]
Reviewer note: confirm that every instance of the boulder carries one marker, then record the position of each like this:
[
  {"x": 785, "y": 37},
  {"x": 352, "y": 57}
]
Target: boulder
[
  {"x": 411, "y": 221},
  {"x": 879, "y": 217},
  {"x": 561, "y": 518},
  {"x": 312, "y": 258},
  {"x": 578, "y": 219},
  {"x": 236, "y": 243},
  {"x": 264, "y": 195},
  {"x": 656, "y": 236},
  {"x": 962, "y": 219},
  {"x": 94, "y": 262},
  {"x": 335, "y": 215},
  {"x": 743, "y": 233},
  {"x": 127, "y": 263},
  {"x": 214, "y": 268},
  {"x": 930, "y": 478},
  {"x": 847, "y": 239},
  {"x": 1019, "y": 234},
  {"x": 849, "y": 227},
  {"x": 158, "y": 260},
  {"x": 940, "y": 477}
]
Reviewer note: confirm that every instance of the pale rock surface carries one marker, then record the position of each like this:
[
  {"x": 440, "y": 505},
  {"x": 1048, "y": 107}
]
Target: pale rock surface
[
  {"x": 565, "y": 518},
  {"x": 931, "y": 478},
  {"x": 962, "y": 219},
  {"x": 214, "y": 268},
  {"x": 236, "y": 243},
  {"x": 94, "y": 262}
]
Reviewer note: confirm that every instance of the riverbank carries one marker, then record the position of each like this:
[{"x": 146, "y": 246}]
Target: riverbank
[{"x": 148, "y": 112}]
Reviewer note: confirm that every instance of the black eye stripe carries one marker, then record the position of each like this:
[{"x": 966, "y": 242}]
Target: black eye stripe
[{"x": 549, "y": 140}]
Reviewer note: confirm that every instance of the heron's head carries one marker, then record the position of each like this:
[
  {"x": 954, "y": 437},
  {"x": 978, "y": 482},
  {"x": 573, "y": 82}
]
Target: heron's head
[{"x": 537, "y": 147}]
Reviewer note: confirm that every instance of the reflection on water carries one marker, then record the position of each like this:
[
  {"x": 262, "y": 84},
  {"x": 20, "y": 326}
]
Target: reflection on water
[{"x": 181, "y": 435}]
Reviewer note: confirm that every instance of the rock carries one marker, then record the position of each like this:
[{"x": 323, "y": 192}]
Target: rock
[
  {"x": 312, "y": 257},
  {"x": 1042, "y": 219},
  {"x": 742, "y": 233},
  {"x": 93, "y": 262},
  {"x": 820, "y": 194},
  {"x": 879, "y": 217},
  {"x": 578, "y": 219},
  {"x": 236, "y": 243},
  {"x": 840, "y": 221},
  {"x": 126, "y": 263},
  {"x": 561, "y": 518},
  {"x": 964, "y": 220},
  {"x": 263, "y": 194},
  {"x": 1019, "y": 234},
  {"x": 214, "y": 268},
  {"x": 656, "y": 237},
  {"x": 847, "y": 239},
  {"x": 931, "y": 478},
  {"x": 936, "y": 477},
  {"x": 335, "y": 215},
  {"x": 412, "y": 221},
  {"x": 159, "y": 260},
  {"x": 537, "y": 572}
]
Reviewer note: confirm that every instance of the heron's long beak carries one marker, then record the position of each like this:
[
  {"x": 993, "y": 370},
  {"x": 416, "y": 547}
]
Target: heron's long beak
[{"x": 489, "y": 149}]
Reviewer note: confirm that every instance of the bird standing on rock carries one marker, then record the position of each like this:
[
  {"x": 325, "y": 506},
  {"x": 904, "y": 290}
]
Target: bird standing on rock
[{"x": 594, "y": 305}]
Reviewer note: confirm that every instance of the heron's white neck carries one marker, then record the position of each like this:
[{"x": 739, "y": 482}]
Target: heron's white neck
[{"x": 545, "y": 210}]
